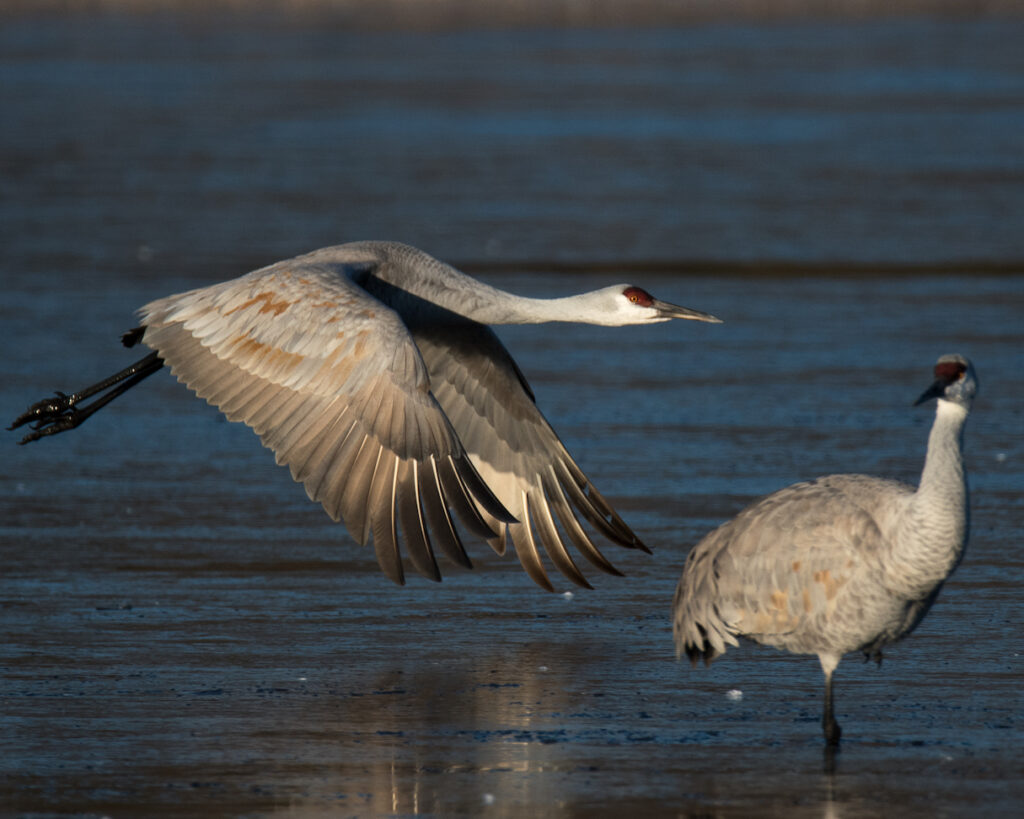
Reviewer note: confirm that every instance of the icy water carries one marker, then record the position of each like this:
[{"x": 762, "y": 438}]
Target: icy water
[{"x": 183, "y": 633}]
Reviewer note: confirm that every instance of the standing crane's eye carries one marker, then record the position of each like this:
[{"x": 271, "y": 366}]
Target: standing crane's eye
[
  {"x": 638, "y": 295},
  {"x": 950, "y": 371}
]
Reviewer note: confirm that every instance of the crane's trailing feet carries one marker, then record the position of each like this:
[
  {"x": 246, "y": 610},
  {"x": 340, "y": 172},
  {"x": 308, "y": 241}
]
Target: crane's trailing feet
[
  {"x": 839, "y": 564},
  {"x": 61, "y": 412},
  {"x": 369, "y": 369}
]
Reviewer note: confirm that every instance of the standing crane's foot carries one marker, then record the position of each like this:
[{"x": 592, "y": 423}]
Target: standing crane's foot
[
  {"x": 832, "y": 732},
  {"x": 49, "y": 416}
]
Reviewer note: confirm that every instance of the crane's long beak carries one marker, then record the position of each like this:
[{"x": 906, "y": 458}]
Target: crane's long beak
[
  {"x": 674, "y": 311},
  {"x": 937, "y": 389}
]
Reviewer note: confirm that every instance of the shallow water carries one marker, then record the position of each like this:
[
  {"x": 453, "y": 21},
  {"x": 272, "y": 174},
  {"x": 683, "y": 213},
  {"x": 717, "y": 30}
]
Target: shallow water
[
  {"x": 885, "y": 141},
  {"x": 185, "y": 634}
]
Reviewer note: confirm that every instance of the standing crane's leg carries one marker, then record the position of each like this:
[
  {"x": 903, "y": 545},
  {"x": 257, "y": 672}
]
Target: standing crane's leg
[
  {"x": 60, "y": 413},
  {"x": 828, "y": 720}
]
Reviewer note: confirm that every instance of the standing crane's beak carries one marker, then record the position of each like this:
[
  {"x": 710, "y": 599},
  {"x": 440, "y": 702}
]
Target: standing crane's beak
[
  {"x": 938, "y": 387},
  {"x": 936, "y": 390},
  {"x": 944, "y": 377},
  {"x": 674, "y": 311}
]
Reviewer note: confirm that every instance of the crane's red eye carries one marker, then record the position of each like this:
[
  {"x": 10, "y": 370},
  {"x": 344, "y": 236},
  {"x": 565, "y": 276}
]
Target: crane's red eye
[{"x": 639, "y": 296}]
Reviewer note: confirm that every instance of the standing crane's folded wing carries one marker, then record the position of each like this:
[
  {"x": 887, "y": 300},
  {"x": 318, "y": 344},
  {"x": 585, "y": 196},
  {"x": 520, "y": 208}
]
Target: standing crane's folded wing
[{"x": 781, "y": 566}]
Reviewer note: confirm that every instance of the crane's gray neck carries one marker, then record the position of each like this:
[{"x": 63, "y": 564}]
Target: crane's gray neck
[
  {"x": 432, "y": 280},
  {"x": 943, "y": 475},
  {"x": 933, "y": 532}
]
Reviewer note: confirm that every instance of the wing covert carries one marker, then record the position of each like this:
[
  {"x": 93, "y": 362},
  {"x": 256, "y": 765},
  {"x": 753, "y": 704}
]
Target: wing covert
[
  {"x": 330, "y": 379},
  {"x": 516, "y": 451}
]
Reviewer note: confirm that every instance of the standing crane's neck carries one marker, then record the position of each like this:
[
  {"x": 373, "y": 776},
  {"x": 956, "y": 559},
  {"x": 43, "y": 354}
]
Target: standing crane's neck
[
  {"x": 933, "y": 533},
  {"x": 943, "y": 474}
]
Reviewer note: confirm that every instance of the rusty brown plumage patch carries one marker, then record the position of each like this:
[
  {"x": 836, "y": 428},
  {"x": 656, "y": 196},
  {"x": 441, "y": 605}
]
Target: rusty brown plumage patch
[{"x": 271, "y": 304}]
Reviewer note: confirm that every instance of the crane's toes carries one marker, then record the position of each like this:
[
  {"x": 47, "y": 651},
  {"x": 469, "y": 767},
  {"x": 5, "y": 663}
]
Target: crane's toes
[
  {"x": 45, "y": 411},
  {"x": 40, "y": 429},
  {"x": 49, "y": 416}
]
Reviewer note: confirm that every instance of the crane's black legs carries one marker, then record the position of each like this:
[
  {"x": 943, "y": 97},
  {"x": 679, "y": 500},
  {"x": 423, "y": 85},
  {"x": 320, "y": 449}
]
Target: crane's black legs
[
  {"x": 60, "y": 413},
  {"x": 828, "y": 721}
]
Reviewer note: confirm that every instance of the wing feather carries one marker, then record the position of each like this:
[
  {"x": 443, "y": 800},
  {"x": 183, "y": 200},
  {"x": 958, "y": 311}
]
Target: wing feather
[
  {"x": 383, "y": 490},
  {"x": 436, "y": 507},
  {"x": 353, "y": 499},
  {"x": 414, "y": 527},
  {"x": 280, "y": 405},
  {"x": 515, "y": 450},
  {"x": 332, "y": 382},
  {"x": 325, "y": 471},
  {"x": 285, "y": 431},
  {"x": 455, "y": 490},
  {"x": 334, "y": 488},
  {"x": 552, "y": 541},
  {"x": 584, "y": 503},
  {"x": 526, "y": 547},
  {"x": 572, "y": 526}
]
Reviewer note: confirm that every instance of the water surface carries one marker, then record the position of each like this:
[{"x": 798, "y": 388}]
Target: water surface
[{"x": 185, "y": 634}]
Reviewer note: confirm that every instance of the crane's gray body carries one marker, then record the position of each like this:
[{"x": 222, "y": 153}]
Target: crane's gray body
[
  {"x": 838, "y": 564},
  {"x": 808, "y": 569}
]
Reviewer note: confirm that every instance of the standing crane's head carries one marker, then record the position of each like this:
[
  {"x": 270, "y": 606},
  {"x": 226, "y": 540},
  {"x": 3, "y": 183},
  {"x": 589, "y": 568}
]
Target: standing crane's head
[
  {"x": 955, "y": 381},
  {"x": 627, "y": 304}
]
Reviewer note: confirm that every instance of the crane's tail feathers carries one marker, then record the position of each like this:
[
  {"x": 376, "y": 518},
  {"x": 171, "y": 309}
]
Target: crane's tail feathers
[
  {"x": 694, "y": 654},
  {"x": 698, "y": 642},
  {"x": 699, "y": 629}
]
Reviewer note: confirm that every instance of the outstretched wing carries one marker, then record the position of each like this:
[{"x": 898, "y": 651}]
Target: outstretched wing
[
  {"x": 515, "y": 450},
  {"x": 331, "y": 381}
]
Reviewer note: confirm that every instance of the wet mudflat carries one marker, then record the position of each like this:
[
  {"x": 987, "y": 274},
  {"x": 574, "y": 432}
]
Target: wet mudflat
[{"x": 184, "y": 633}]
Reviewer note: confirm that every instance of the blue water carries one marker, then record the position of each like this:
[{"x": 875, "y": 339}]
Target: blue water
[
  {"x": 892, "y": 141},
  {"x": 185, "y": 634}
]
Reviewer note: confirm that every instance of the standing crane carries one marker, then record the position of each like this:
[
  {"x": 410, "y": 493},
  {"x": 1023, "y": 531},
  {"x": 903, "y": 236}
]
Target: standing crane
[
  {"x": 369, "y": 370},
  {"x": 838, "y": 564}
]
